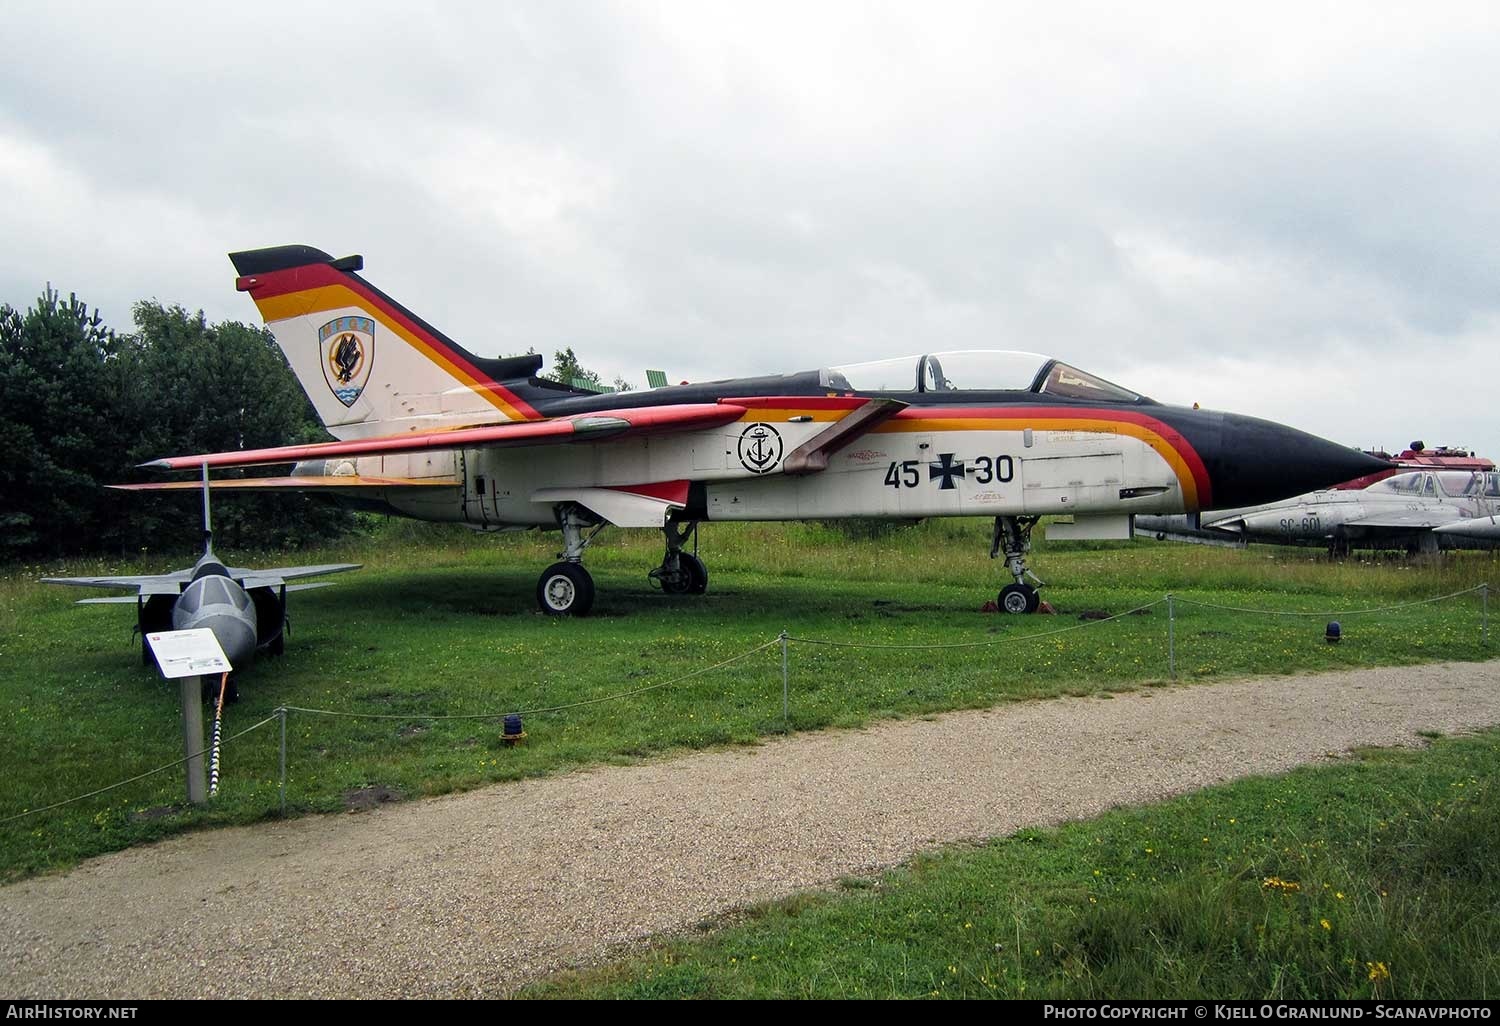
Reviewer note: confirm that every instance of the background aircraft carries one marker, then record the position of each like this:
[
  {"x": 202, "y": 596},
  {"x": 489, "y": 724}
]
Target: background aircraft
[
  {"x": 427, "y": 429},
  {"x": 245, "y": 609},
  {"x": 1413, "y": 510},
  {"x": 1418, "y": 456},
  {"x": 1482, "y": 528}
]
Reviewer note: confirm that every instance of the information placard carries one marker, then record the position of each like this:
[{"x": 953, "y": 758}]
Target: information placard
[{"x": 194, "y": 653}]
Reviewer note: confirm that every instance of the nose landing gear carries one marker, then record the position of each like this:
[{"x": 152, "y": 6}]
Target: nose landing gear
[{"x": 1013, "y": 538}]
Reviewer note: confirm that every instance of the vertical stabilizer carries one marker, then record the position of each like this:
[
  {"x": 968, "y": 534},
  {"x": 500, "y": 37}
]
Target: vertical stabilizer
[{"x": 369, "y": 365}]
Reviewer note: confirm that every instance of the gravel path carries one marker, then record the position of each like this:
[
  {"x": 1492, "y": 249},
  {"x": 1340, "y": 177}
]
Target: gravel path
[{"x": 478, "y": 893}]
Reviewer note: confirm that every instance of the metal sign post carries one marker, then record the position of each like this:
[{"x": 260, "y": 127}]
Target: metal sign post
[
  {"x": 191, "y": 658},
  {"x": 190, "y": 691}
]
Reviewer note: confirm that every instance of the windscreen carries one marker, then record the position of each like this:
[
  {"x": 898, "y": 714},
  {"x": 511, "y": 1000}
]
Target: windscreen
[{"x": 1072, "y": 383}]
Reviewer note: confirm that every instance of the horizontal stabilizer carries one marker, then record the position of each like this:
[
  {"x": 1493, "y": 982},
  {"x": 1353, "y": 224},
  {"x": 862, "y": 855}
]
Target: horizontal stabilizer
[
  {"x": 278, "y": 576},
  {"x": 172, "y": 583},
  {"x": 145, "y": 584},
  {"x": 587, "y": 427}
]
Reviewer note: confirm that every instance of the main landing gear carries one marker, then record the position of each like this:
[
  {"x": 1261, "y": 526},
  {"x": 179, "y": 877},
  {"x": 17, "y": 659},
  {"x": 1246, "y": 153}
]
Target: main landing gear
[
  {"x": 681, "y": 572},
  {"x": 1013, "y": 538},
  {"x": 566, "y": 589}
]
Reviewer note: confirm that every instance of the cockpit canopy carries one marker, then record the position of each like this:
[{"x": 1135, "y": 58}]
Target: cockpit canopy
[
  {"x": 1433, "y": 484},
  {"x": 979, "y": 370}
]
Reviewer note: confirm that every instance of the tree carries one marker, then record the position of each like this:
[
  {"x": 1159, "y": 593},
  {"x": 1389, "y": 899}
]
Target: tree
[
  {"x": 80, "y": 406},
  {"x": 61, "y": 388},
  {"x": 567, "y": 370},
  {"x": 213, "y": 387}
]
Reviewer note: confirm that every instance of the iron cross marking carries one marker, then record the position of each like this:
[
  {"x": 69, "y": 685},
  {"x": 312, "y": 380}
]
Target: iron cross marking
[{"x": 945, "y": 469}]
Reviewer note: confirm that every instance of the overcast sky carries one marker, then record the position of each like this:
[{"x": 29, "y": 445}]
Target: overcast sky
[{"x": 1290, "y": 213}]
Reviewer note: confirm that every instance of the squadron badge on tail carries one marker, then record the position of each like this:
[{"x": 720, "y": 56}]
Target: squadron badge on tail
[{"x": 348, "y": 353}]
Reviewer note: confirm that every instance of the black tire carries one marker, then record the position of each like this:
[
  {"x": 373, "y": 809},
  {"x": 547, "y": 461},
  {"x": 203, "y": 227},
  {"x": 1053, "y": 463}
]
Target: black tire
[
  {"x": 676, "y": 582},
  {"x": 690, "y": 577},
  {"x": 697, "y": 574},
  {"x": 565, "y": 589},
  {"x": 1019, "y": 598}
]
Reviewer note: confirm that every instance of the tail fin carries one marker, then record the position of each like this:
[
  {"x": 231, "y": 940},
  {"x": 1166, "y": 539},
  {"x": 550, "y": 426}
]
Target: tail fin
[{"x": 369, "y": 365}]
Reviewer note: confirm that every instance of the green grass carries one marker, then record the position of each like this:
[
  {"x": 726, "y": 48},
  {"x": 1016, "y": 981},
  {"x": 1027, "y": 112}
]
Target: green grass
[
  {"x": 1372, "y": 878},
  {"x": 443, "y": 622}
]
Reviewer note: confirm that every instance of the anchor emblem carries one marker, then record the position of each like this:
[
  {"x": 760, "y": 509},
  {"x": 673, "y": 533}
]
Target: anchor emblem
[{"x": 760, "y": 448}]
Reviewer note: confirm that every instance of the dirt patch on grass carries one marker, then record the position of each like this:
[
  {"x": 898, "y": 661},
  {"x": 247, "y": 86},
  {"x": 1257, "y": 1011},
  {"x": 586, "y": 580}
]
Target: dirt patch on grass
[
  {"x": 366, "y": 798},
  {"x": 155, "y": 812}
]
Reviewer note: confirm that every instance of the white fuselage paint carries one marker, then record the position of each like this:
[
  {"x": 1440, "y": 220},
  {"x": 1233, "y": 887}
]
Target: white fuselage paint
[{"x": 886, "y": 473}]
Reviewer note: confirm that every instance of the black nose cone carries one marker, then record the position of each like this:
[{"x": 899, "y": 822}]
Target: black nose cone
[
  {"x": 1257, "y": 461},
  {"x": 1248, "y": 461}
]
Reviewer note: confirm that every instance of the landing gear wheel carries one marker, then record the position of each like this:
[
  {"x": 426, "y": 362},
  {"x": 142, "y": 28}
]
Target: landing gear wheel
[
  {"x": 677, "y": 581},
  {"x": 681, "y": 572},
  {"x": 565, "y": 589},
  {"x": 690, "y": 577},
  {"x": 697, "y": 573},
  {"x": 1019, "y": 598}
]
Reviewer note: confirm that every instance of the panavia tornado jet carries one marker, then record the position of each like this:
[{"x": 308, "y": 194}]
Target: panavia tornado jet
[
  {"x": 245, "y": 609},
  {"x": 429, "y": 430}
]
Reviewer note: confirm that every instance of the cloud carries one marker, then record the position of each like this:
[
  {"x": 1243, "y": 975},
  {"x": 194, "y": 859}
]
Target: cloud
[{"x": 1234, "y": 202}]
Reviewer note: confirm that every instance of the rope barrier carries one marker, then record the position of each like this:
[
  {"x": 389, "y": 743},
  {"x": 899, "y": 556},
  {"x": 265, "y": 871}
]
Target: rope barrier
[
  {"x": 139, "y": 776},
  {"x": 534, "y": 712},
  {"x": 1345, "y": 612},
  {"x": 978, "y": 644},
  {"x": 213, "y": 762}
]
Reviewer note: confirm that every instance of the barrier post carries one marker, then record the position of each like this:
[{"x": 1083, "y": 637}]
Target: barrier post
[
  {"x": 1484, "y": 596},
  {"x": 281, "y": 713},
  {"x": 785, "y": 700},
  {"x": 1171, "y": 639},
  {"x": 190, "y": 691}
]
